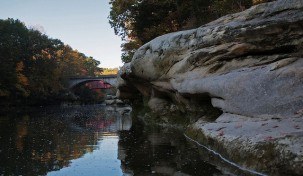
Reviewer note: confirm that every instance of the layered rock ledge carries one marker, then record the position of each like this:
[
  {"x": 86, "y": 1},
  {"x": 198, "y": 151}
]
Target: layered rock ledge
[{"x": 239, "y": 78}]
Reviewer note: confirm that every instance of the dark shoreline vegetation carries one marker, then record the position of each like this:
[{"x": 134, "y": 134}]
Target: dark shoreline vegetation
[{"x": 35, "y": 68}]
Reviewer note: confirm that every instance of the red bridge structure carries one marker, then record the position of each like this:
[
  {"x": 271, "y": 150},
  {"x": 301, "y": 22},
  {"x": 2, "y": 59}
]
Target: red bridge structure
[
  {"x": 98, "y": 85},
  {"x": 100, "y": 82}
]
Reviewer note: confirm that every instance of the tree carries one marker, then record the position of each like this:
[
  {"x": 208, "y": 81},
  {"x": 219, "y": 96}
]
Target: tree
[
  {"x": 35, "y": 67},
  {"x": 12, "y": 43},
  {"x": 139, "y": 21},
  {"x": 223, "y": 7},
  {"x": 261, "y": 1},
  {"x": 110, "y": 71}
]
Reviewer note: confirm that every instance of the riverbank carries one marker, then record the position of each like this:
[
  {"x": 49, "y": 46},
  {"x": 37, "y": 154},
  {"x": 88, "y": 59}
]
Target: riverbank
[{"x": 237, "y": 83}]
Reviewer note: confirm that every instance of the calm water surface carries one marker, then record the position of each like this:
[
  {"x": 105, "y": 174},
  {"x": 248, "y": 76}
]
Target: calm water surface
[{"x": 96, "y": 140}]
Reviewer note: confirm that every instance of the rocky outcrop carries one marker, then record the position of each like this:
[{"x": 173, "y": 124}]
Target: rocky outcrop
[{"x": 242, "y": 78}]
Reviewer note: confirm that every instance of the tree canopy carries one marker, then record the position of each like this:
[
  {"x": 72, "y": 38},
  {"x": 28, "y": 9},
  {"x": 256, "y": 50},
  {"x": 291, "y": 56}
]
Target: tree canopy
[
  {"x": 139, "y": 21},
  {"x": 34, "y": 66}
]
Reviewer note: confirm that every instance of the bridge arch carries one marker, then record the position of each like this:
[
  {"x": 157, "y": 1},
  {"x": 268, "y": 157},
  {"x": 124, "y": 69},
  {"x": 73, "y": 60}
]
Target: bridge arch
[{"x": 109, "y": 79}]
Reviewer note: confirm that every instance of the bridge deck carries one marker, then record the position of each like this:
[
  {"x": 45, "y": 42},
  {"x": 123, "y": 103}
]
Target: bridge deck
[
  {"x": 98, "y": 77},
  {"x": 110, "y": 79}
]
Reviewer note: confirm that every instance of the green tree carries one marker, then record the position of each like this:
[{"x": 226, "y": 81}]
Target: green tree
[
  {"x": 13, "y": 37},
  {"x": 223, "y": 7},
  {"x": 139, "y": 21},
  {"x": 35, "y": 67}
]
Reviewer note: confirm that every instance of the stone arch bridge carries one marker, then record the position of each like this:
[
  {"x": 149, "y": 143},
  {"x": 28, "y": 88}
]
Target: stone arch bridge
[{"x": 109, "y": 79}]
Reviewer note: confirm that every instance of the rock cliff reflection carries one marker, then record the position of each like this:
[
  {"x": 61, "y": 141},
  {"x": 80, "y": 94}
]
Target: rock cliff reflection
[{"x": 151, "y": 150}]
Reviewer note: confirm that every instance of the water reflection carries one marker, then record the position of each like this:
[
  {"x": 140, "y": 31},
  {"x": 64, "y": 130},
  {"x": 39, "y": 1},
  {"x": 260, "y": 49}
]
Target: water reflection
[
  {"x": 153, "y": 150},
  {"x": 95, "y": 140},
  {"x": 102, "y": 161},
  {"x": 48, "y": 139}
]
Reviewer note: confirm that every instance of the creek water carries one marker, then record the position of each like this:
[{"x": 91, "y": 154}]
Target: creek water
[{"x": 97, "y": 140}]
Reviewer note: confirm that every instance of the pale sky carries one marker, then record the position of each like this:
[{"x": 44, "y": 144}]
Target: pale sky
[{"x": 82, "y": 24}]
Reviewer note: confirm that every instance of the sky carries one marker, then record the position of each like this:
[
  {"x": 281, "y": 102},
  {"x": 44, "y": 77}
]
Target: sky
[{"x": 82, "y": 24}]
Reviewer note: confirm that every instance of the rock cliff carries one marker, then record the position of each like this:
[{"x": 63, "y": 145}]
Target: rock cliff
[{"x": 241, "y": 79}]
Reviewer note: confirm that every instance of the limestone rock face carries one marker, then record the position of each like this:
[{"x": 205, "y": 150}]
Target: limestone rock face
[
  {"x": 125, "y": 89},
  {"x": 158, "y": 105},
  {"x": 250, "y": 66}
]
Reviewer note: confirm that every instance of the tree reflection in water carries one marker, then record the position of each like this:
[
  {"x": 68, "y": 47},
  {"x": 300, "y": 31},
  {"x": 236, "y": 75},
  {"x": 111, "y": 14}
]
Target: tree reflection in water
[
  {"x": 48, "y": 139},
  {"x": 95, "y": 140}
]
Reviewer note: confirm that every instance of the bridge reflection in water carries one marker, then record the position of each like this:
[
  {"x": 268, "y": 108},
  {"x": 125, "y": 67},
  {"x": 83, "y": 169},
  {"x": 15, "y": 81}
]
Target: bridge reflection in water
[{"x": 103, "y": 159}]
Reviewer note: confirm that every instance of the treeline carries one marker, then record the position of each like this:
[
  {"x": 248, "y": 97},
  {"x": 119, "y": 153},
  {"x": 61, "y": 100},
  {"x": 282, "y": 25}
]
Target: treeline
[
  {"x": 110, "y": 71},
  {"x": 34, "y": 68},
  {"x": 139, "y": 21}
]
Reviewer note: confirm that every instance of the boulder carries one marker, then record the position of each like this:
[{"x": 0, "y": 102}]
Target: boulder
[
  {"x": 110, "y": 102},
  {"x": 158, "y": 105},
  {"x": 249, "y": 67}
]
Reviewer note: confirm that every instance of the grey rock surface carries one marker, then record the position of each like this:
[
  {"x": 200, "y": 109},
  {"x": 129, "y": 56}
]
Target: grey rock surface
[{"x": 250, "y": 66}]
